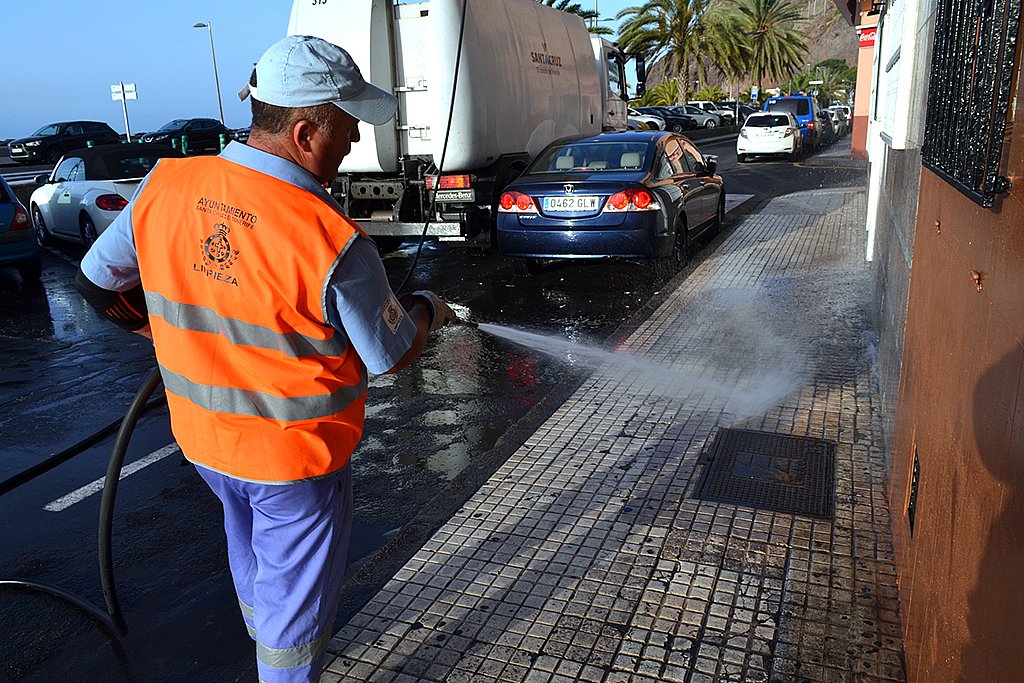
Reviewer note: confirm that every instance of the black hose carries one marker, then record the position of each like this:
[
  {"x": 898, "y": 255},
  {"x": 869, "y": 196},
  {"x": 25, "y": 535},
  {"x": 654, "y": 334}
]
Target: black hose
[
  {"x": 124, "y": 435},
  {"x": 40, "y": 468},
  {"x": 444, "y": 152}
]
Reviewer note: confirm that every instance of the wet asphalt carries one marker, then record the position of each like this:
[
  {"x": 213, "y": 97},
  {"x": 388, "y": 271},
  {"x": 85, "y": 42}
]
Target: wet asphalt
[{"x": 433, "y": 434}]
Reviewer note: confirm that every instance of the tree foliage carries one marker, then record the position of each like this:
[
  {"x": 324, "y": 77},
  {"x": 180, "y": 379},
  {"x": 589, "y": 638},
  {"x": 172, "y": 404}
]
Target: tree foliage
[
  {"x": 589, "y": 15},
  {"x": 664, "y": 94},
  {"x": 776, "y": 46},
  {"x": 685, "y": 35}
]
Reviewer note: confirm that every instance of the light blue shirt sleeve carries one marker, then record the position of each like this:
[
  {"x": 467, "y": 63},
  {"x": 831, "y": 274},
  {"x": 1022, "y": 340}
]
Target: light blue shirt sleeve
[
  {"x": 360, "y": 302},
  {"x": 112, "y": 262}
]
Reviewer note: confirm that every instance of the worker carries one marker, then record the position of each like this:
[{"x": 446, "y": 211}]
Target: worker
[{"x": 266, "y": 306}]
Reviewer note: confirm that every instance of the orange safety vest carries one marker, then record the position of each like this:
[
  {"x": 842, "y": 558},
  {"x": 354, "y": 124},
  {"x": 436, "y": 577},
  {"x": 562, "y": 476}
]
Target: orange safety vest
[{"x": 234, "y": 264}]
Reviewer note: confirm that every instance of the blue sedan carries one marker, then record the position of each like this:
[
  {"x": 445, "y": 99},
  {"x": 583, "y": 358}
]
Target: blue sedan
[
  {"x": 18, "y": 247},
  {"x": 637, "y": 195}
]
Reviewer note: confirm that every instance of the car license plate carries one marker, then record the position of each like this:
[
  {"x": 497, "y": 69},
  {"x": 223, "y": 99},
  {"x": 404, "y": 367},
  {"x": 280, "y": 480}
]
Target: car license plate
[{"x": 580, "y": 203}]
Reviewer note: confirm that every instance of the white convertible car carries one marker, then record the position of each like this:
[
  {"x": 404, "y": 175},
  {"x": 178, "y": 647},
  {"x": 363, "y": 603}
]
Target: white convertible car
[{"x": 88, "y": 188}]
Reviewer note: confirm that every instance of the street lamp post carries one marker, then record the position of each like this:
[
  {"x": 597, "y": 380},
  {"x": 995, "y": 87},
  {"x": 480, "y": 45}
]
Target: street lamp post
[{"x": 213, "y": 53}]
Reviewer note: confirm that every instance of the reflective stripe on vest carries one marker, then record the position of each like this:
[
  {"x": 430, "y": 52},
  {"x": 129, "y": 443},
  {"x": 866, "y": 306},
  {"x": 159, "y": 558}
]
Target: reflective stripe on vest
[
  {"x": 202, "y": 319},
  {"x": 235, "y": 265},
  {"x": 258, "y": 404}
]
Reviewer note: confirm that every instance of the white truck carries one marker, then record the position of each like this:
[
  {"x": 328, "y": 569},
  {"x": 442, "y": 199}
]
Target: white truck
[{"x": 527, "y": 75}]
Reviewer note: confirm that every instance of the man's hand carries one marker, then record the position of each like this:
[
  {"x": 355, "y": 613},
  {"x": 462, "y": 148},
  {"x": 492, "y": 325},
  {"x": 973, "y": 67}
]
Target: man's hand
[{"x": 441, "y": 315}]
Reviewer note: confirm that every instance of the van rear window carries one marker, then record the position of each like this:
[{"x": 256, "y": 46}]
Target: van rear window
[{"x": 800, "y": 107}]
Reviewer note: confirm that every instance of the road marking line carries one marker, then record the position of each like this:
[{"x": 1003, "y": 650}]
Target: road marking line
[{"x": 80, "y": 494}]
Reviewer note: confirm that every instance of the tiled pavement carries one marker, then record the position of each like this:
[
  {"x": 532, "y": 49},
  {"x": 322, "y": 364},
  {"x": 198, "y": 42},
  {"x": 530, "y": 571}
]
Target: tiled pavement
[{"x": 587, "y": 556}]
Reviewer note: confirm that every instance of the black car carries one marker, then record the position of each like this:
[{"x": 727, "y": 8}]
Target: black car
[
  {"x": 744, "y": 110},
  {"x": 50, "y": 142},
  {"x": 674, "y": 121},
  {"x": 200, "y": 135}
]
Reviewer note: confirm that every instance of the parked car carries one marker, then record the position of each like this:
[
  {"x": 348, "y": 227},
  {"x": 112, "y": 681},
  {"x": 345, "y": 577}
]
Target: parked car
[
  {"x": 826, "y": 131},
  {"x": 674, "y": 121},
  {"x": 727, "y": 116},
  {"x": 88, "y": 188},
  {"x": 636, "y": 195},
  {"x": 704, "y": 119},
  {"x": 203, "y": 135},
  {"x": 656, "y": 122},
  {"x": 242, "y": 134},
  {"x": 805, "y": 110},
  {"x": 741, "y": 110},
  {"x": 839, "y": 121},
  {"x": 769, "y": 133},
  {"x": 18, "y": 246},
  {"x": 53, "y": 140}
]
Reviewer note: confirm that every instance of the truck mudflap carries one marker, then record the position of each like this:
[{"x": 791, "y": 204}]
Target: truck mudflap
[{"x": 441, "y": 230}]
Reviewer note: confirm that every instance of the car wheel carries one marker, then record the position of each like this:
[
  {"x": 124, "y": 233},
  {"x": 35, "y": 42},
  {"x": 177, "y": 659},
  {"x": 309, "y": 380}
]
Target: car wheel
[
  {"x": 741, "y": 158},
  {"x": 53, "y": 155},
  {"x": 31, "y": 271},
  {"x": 677, "y": 127},
  {"x": 710, "y": 123},
  {"x": 88, "y": 230},
  {"x": 667, "y": 266},
  {"x": 526, "y": 266},
  {"x": 43, "y": 235}
]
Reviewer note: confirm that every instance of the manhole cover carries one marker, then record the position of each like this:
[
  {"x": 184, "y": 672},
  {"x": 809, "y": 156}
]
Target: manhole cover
[{"x": 794, "y": 474}]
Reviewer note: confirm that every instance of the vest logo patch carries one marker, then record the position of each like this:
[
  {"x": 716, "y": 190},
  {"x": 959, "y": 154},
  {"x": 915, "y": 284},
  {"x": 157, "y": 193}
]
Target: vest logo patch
[
  {"x": 218, "y": 256},
  {"x": 393, "y": 313}
]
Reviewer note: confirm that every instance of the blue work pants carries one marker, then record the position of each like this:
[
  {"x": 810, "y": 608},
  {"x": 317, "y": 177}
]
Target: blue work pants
[{"x": 287, "y": 546}]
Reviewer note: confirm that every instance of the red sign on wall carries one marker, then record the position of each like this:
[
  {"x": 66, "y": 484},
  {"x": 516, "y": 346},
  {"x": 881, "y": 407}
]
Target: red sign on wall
[{"x": 867, "y": 37}]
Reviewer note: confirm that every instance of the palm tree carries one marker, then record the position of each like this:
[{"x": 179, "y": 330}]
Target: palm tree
[
  {"x": 589, "y": 15},
  {"x": 661, "y": 30},
  {"x": 776, "y": 46}
]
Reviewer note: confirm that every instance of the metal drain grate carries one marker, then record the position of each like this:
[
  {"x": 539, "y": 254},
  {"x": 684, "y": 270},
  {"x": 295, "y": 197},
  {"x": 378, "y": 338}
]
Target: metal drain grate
[{"x": 794, "y": 474}]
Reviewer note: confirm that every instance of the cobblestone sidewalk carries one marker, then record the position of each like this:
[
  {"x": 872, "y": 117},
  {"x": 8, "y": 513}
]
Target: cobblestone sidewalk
[{"x": 588, "y": 556}]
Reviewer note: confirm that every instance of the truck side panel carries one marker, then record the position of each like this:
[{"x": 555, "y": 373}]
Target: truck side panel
[
  {"x": 527, "y": 77},
  {"x": 362, "y": 27}
]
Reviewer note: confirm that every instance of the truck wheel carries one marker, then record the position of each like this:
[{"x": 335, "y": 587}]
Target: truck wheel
[{"x": 386, "y": 244}]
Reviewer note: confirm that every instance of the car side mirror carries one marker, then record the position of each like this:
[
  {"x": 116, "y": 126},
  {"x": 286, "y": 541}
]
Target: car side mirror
[
  {"x": 712, "y": 164},
  {"x": 41, "y": 179}
]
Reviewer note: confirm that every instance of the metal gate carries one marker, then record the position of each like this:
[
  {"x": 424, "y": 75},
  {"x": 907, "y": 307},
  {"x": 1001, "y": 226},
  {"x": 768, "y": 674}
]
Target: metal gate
[{"x": 969, "y": 94}]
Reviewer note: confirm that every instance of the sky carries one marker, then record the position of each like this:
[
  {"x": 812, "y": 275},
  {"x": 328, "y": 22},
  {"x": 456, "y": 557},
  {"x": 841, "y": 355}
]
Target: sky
[{"x": 62, "y": 56}]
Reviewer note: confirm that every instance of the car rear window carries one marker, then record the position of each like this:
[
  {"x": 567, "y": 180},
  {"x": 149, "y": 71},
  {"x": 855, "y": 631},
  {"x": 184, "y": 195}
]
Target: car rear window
[
  {"x": 591, "y": 156},
  {"x": 798, "y": 106},
  {"x": 766, "y": 120}
]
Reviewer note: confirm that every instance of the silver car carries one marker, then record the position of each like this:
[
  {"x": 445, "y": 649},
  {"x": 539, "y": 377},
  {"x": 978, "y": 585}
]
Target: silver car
[
  {"x": 704, "y": 119},
  {"x": 88, "y": 188}
]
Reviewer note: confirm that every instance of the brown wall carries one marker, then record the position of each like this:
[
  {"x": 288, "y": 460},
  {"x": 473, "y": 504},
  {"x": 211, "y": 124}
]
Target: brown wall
[
  {"x": 961, "y": 407},
  {"x": 862, "y": 102}
]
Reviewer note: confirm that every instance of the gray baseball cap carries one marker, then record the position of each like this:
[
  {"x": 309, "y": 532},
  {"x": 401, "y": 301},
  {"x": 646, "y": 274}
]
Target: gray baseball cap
[{"x": 305, "y": 71}]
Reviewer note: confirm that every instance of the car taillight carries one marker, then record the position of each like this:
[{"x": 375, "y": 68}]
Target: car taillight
[
  {"x": 630, "y": 200},
  {"x": 111, "y": 202},
  {"x": 20, "y": 221},
  {"x": 810, "y": 125},
  {"x": 788, "y": 133},
  {"x": 516, "y": 202},
  {"x": 448, "y": 182}
]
